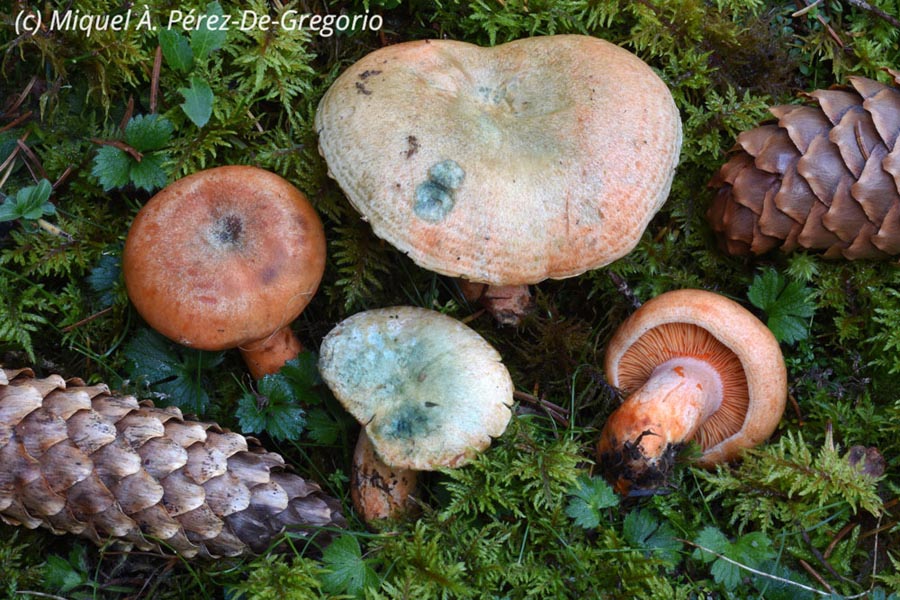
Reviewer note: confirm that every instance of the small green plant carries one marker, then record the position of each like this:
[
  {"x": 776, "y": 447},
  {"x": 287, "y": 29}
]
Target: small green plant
[
  {"x": 278, "y": 577},
  {"x": 288, "y": 403},
  {"x": 190, "y": 58},
  {"x": 654, "y": 537},
  {"x": 73, "y": 576},
  {"x": 30, "y": 203},
  {"x": 590, "y": 496},
  {"x": 138, "y": 160},
  {"x": 346, "y": 571},
  {"x": 22, "y": 312},
  {"x": 751, "y": 550},
  {"x": 15, "y": 571},
  {"x": 276, "y": 407},
  {"x": 171, "y": 373},
  {"x": 788, "y": 305}
]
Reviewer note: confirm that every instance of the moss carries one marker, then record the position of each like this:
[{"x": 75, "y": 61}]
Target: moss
[{"x": 500, "y": 525}]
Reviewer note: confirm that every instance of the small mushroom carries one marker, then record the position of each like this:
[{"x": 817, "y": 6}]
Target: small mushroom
[
  {"x": 428, "y": 391},
  {"x": 695, "y": 366},
  {"x": 541, "y": 158},
  {"x": 224, "y": 258}
]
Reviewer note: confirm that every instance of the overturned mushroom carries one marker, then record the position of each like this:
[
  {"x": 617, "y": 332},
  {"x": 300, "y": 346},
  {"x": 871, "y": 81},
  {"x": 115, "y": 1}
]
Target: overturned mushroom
[
  {"x": 695, "y": 366},
  {"x": 429, "y": 392},
  {"x": 540, "y": 158},
  {"x": 225, "y": 258}
]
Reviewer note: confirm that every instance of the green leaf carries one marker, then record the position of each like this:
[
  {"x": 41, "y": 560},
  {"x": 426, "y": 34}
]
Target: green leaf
[
  {"x": 710, "y": 538},
  {"x": 788, "y": 305},
  {"x": 750, "y": 550},
  {"x": 198, "y": 101},
  {"x": 764, "y": 290},
  {"x": 643, "y": 530},
  {"x": 145, "y": 133},
  {"x": 303, "y": 374},
  {"x": 274, "y": 409},
  {"x": 322, "y": 427},
  {"x": 105, "y": 279},
  {"x": 60, "y": 576},
  {"x": 30, "y": 203},
  {"x": 589, "y": 496},
  {"x": 346, "y": 570},
  {"x": 149, "y": 173},
  {"x": 64, "y": 575},
  {"x": 251, "y": 413},
  {"x": 171, "y": 371},
  {"x": 176, "y": 50},
  {"x": 111, "y": 167},
  {"x": 205, "y": 39},
  {"x": 727, "y": 573}
]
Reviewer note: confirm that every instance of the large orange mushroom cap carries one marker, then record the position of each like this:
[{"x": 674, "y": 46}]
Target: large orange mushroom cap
[
  {"x": 695, "y": 366},
  {"x": 540, "y": 158},
  {"x": 225, "y": 257}
]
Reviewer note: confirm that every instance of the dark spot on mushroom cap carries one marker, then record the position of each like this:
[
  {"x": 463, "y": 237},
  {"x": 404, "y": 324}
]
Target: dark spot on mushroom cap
[
  {"x": 408, "y": 422},
  {"x": 434, "y": 197},
  {"x": 433, "y": 202},
  {"x": 268, "y": 275},
  {"x": 229, "y": 230},
  {"x": 412, "y": 146},
  {"x": 447, "y": 174}
]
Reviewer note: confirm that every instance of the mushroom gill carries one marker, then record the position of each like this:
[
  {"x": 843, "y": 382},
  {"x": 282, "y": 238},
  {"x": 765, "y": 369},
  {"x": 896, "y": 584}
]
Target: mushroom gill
[{"x": 669, "y": 340}]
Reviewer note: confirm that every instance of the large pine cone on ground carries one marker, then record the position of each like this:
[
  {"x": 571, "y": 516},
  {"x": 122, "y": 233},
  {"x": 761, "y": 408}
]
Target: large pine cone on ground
[
  {"x": 822, "y": 177},
  {"x": 77, "y": 459}
]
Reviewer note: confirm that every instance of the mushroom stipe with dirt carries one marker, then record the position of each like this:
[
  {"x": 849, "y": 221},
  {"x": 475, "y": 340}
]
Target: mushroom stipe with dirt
[{"x": 694, "y": 365}]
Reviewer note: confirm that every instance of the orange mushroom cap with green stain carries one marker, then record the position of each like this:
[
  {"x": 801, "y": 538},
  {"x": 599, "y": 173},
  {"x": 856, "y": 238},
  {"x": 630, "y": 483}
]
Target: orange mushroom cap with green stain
[
  {"x": 694, "y": 365},
  {"x": 224, "y": 258},
  {"x": 540, "y": 158}
]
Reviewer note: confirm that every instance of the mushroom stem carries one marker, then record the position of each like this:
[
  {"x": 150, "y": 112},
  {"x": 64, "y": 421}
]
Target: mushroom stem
[
  {"x": 508, "y": 304},
  {"x": 640, "y": 439},
  {"x": 268, "y": 355},
  {"x": 379, "y": 492}
]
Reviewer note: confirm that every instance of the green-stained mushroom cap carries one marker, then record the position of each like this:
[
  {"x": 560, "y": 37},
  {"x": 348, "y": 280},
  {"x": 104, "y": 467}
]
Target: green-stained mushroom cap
[{"x": 430, "y": 391}]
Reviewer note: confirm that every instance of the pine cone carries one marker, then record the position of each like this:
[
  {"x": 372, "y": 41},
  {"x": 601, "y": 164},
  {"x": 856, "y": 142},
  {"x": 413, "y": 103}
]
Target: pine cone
[
  {"x": 77, "y": 459},
  {"x": 821, "y": 177}
]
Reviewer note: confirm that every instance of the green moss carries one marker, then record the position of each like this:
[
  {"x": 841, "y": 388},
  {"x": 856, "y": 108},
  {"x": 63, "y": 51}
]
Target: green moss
[{"x": 500, "y": 523}]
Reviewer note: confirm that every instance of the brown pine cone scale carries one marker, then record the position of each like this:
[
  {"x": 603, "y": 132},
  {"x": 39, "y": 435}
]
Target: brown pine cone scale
[
  {"x": 823, "y": 176},
  {"x": 78, "y": 459}
]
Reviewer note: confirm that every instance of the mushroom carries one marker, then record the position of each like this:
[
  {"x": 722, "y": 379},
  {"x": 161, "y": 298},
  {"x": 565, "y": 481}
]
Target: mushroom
[
  {"x": 428, "y": 391},
  {"x": 540, "y": 158},
  {"x": 224, "y": 258},
  {"x": 695, "y": 366}
]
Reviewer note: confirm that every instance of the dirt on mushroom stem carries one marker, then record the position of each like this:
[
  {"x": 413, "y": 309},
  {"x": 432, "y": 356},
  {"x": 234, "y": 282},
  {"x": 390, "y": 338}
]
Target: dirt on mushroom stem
[{"x": 641, "y": 439}]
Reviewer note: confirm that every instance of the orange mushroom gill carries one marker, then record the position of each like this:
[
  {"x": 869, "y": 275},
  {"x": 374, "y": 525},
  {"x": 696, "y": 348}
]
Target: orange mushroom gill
[{"x": 695, "y": 366}]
